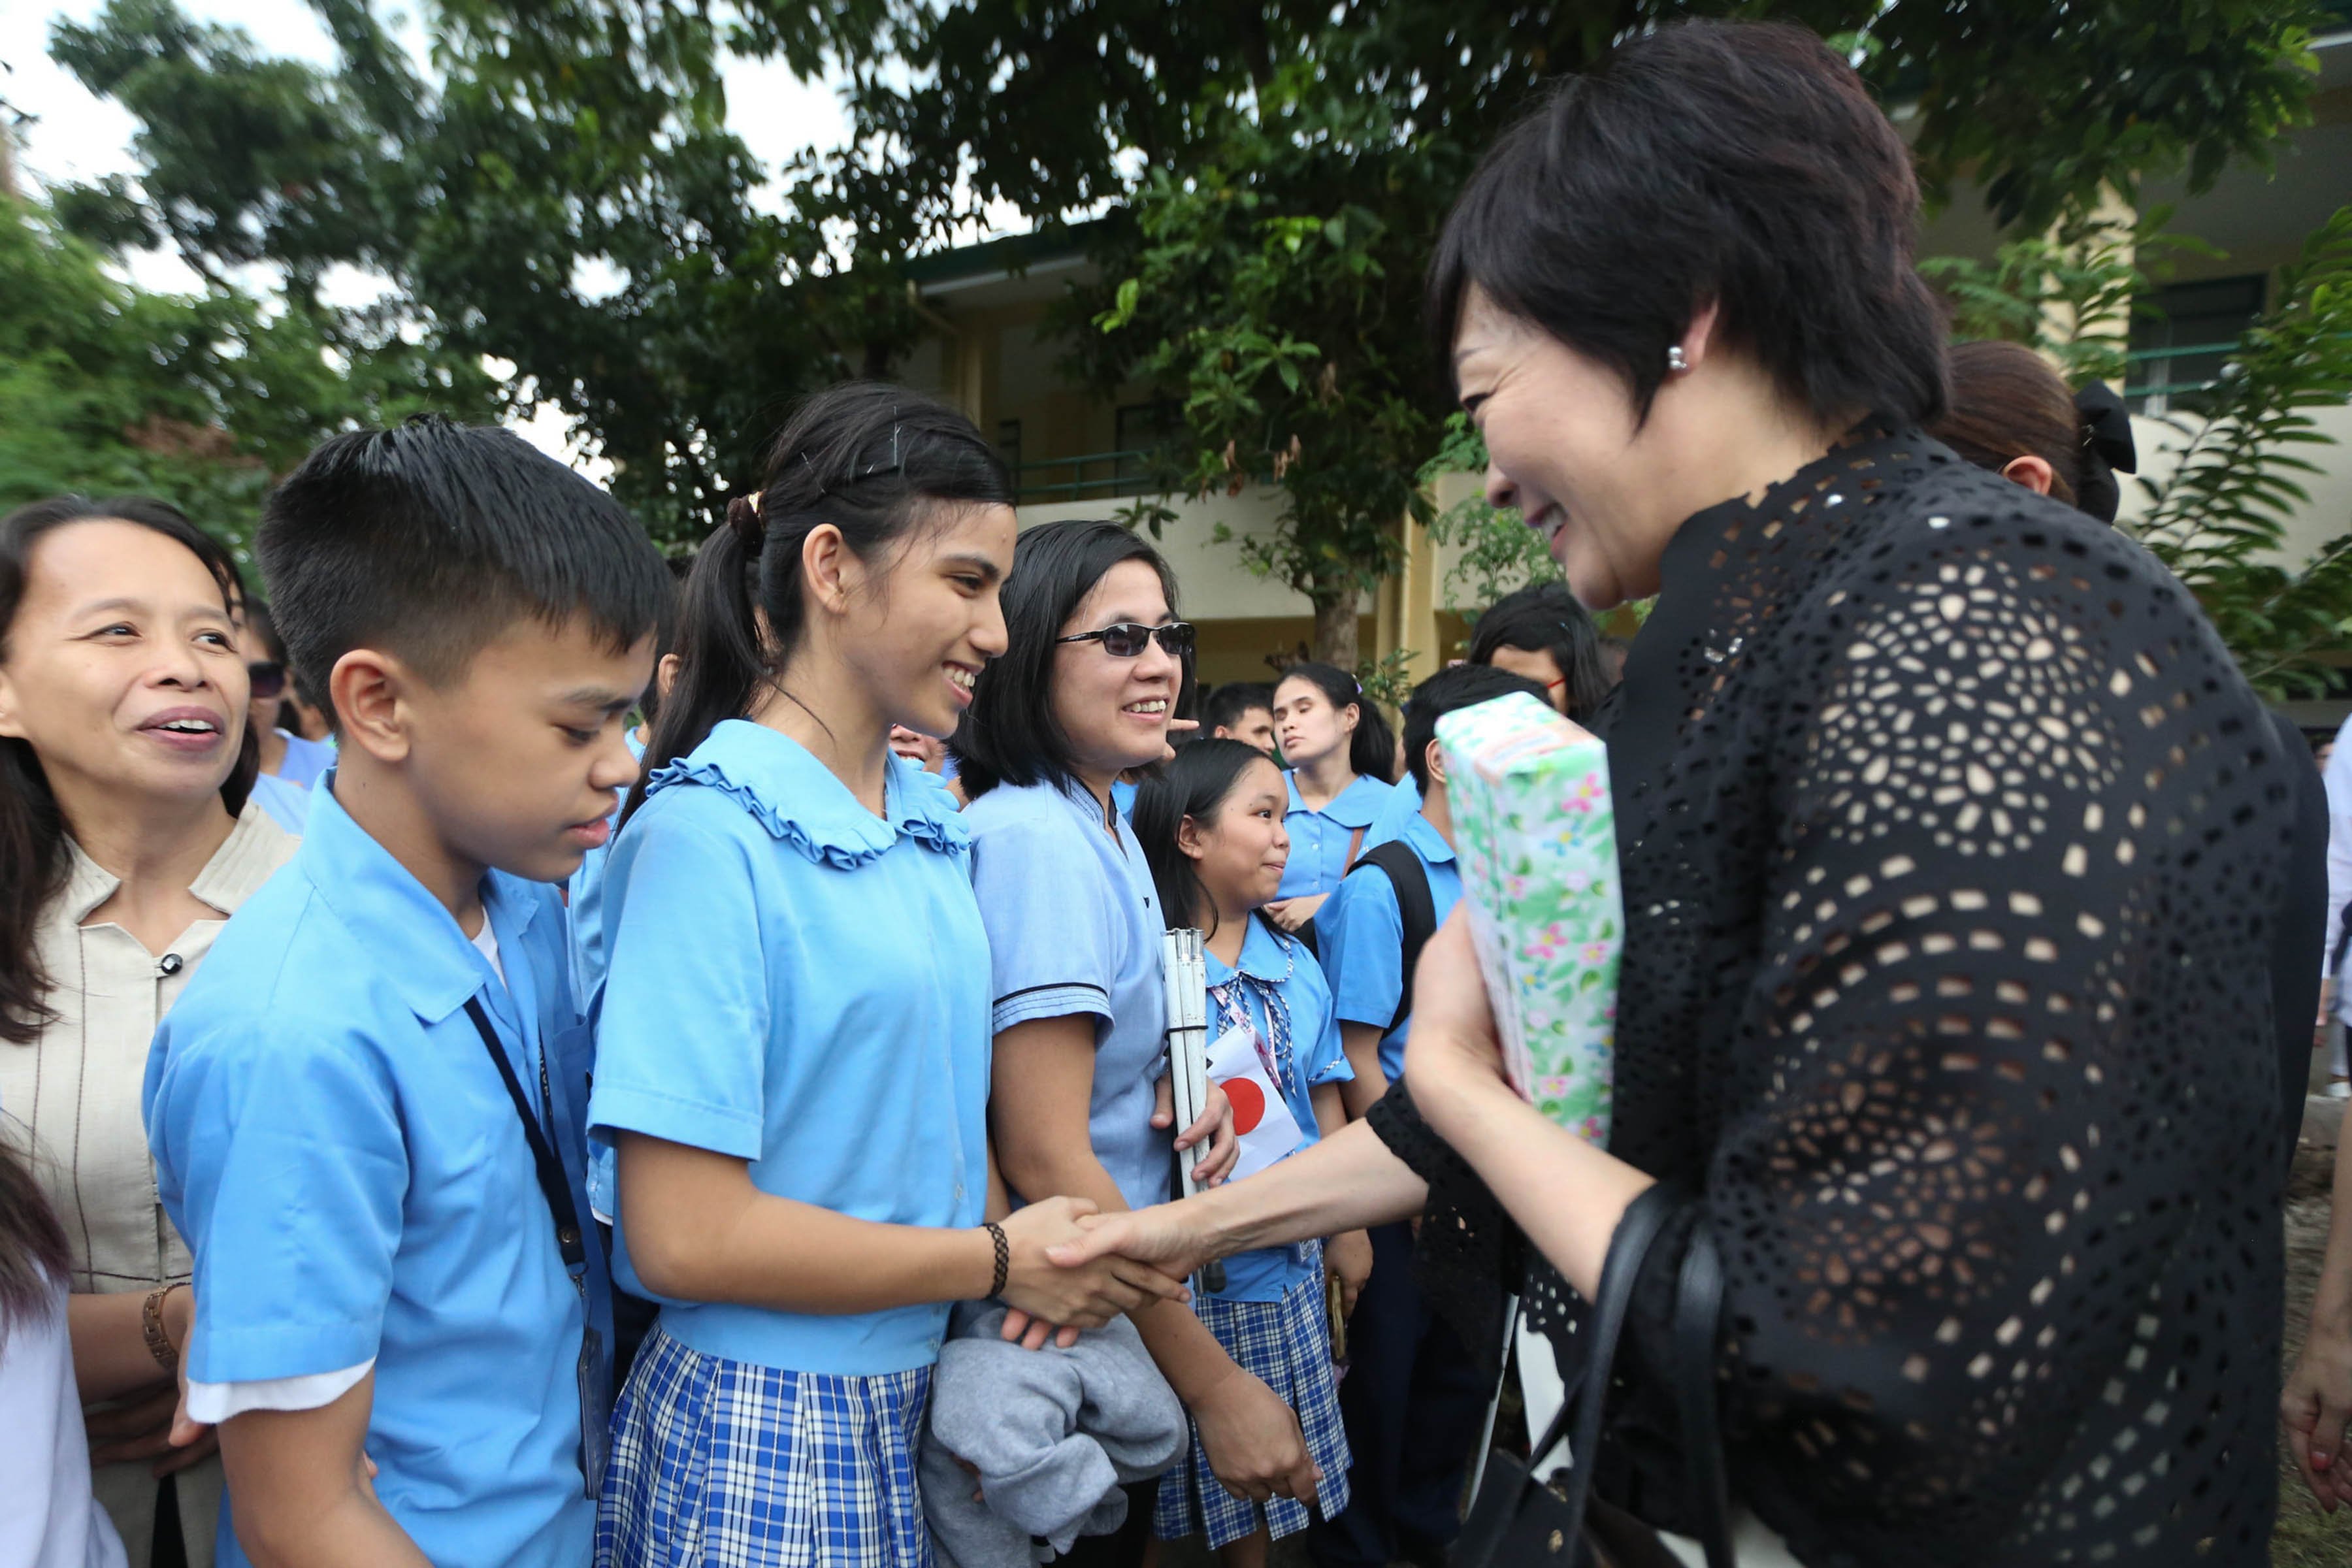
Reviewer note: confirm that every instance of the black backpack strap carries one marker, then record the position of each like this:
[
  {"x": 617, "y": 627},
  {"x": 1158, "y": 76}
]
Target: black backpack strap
[{"x": 1415, "y": 907}]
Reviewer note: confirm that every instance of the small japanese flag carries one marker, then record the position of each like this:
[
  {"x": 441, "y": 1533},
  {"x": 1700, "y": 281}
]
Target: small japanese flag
[{"x": 1261, "y": 1115}]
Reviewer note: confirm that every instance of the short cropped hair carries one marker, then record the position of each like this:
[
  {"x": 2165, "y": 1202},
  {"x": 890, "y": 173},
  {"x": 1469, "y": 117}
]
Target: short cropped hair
[
  {"x": 1447, "y": 691},
  {"x": 1737, "y": 163},
  {"x": 1545, "y": 617},
  {"x": 431, "y": 538},
  {"x": 1228, "y": 703}
]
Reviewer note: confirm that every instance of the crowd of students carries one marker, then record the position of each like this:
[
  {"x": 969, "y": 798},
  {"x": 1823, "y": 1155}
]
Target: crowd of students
[
  {"x": 858, "y": 1049},
  {"x": 577, "y": 1126}
]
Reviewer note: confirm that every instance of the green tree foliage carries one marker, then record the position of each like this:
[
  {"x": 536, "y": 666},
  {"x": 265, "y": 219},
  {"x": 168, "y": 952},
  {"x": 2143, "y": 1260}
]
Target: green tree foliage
[
  {"x": 107, "y": 389},
  {"x": 561, "y": 193},
  {"x": 2219, "y": 517},
  {"x": 1286, "y": 164}
]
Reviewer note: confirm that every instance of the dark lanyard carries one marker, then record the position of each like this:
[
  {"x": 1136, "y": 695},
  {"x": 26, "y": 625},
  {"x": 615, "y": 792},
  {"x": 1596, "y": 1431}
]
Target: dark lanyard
[{"x": 553, "y": 1182}]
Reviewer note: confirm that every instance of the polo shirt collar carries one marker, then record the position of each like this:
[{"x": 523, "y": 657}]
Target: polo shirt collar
[
  {"x": 1265, "y": 956},
  {"x": 1353, "y": 807},
  {"x": 782, "y": 785},
  {"x": 255, "y": 848},
  {"x": 1426, "y": 841},
  {"x": 415, "y": 942}
]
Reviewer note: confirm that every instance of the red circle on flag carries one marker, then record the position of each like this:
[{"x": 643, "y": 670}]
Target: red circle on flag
[{"x": 1249, "y": 1104}]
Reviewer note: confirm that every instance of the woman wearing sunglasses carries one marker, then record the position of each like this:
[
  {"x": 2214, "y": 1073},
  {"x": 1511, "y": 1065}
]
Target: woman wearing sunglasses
[
  {"x": 290, "y": 765},
  {"x": 1095, "y": 662},
  {"x": 126, "y": 841}
]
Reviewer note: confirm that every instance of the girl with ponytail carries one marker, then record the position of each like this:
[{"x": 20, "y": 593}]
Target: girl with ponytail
[
  {"x": 792, "y": 1054},
  {"x": 1341, "y": 757}
]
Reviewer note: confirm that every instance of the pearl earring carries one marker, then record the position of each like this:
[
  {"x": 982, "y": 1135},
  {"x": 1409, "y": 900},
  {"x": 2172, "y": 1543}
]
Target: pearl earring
[{"x": 1676, "y": 361}]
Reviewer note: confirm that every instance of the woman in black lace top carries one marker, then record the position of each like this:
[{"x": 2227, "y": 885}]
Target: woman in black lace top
[{"x": 1950, "y": 839}]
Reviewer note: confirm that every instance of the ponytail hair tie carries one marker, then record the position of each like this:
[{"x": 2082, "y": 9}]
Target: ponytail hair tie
[
  {"x": 743, "y": 516},
  {"x": 2107, "y": 449}
]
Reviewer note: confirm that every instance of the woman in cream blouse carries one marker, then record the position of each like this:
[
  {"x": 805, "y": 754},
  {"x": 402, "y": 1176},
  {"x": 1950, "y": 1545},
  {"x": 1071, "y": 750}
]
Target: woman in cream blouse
[{"x": 126, "y": 842}]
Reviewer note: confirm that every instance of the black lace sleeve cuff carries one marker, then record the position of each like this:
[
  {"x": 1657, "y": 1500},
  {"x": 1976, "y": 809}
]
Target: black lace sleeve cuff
[{"x": 1467, "y": 1256}]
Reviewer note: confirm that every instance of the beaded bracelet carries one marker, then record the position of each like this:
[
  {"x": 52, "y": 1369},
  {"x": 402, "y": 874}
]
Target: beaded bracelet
[
  {"x": 151, "y": 1323},
  {"x": 1003, "y": 1256}
]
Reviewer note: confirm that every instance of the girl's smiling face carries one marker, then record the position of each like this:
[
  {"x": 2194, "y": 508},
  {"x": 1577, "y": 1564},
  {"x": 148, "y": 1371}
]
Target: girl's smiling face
[
  {"x": 1240, "y": 849},
  {"x": 1115, "y": 710}
]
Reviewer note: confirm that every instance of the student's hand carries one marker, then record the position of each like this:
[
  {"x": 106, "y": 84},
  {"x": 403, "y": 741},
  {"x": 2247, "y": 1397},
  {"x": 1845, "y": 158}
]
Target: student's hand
[
  {"x": 1453, "y": 1051},
  {"x": 1087, "y": 1296},
  {"x": 1171, "y": 1238},
  {"x": 1033, "y": 1333},
  {"x": 193, "y": 1438},
  {"x": 1175, "y": 726},
  {"x": 1251, "y": 1441},
  {"x": 144, "y": 1429},
  {"x": 1215, "y": 1125},
  {"x": 1292, "y": 914},
  {"x": 2314, "y": 1406},
  {"x": 1348, "y": 1257}
]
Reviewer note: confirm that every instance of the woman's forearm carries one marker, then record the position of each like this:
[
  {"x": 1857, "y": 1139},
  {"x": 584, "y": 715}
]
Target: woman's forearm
[
  {"x": 109, "y": 1332},
  {"x": 1566, "y": 1194},
  {"x": 2331, "y": 1305},
  {"x": 1346, "y": 1182}
]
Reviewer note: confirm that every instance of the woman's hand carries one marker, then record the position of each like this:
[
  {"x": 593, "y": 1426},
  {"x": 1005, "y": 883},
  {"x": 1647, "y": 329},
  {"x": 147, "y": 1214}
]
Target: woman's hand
[
  {"x": 2314, "y": 1406},
  {"x": 1348, "y": 1257},
  {"x": 1251, "y": 1441},
  {"x": 1215, "y": 1125},
  {"x": 144, "y": 1427},
  {"x": 1085, "y": 1297},
  {"x": 1292, "y": 914}
]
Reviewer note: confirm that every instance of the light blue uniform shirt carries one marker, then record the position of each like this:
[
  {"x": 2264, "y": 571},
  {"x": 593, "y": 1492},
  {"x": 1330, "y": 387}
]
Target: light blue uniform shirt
[
  {"x": 287, "y": 804},
  {"x": 1316, "y": 1058},
  {"x": 306, "y": 761},
  {"x": 1400, "y": 811},
  {"x": 796, "y": 983},
  {"x": 348, "y": 1169},
  {"x": 1318, "y": 839},
  {"x": 1362, "y": 937},
  {"x": 584, "y": 900},
  {"x": 1074, "y": 927}
]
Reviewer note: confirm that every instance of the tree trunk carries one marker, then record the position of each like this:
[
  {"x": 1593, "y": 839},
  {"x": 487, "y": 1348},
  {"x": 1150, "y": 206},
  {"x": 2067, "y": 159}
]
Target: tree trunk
[{"x": 1335, "y": 628}]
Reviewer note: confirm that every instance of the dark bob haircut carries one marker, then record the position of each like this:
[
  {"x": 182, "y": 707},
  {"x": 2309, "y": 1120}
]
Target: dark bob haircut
[
  {"x": 431, "y": 538},
  {"x": 1194, "y": 784},
  {"x": 1737, "y": 163},
  {"x": 1449, "y": 692},
  {"x": 1545, "y": 617},
  {"x": 1009, "y": 734}
]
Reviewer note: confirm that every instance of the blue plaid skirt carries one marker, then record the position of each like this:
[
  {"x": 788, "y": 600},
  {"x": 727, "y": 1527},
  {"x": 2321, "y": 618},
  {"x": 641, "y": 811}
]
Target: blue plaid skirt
[
  {"x": 1287, "y": 1344},
  {"x": 734, "y": 1465}
]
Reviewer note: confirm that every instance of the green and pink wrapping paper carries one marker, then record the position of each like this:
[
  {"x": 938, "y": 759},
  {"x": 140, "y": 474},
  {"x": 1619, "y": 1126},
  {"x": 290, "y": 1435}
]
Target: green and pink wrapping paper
[{"x": 1536, "y": 835}]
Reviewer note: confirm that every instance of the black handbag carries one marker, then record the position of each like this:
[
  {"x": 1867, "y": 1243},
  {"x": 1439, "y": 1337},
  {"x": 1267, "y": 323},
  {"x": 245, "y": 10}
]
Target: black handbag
[{"x": 1518, "y": 1521}]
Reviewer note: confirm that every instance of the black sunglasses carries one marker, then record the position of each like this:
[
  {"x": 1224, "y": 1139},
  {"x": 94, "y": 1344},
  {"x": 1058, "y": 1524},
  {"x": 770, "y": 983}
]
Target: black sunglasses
[
  {"x": 267, "y": 676},
  {"x": 1128, "y": 639}
]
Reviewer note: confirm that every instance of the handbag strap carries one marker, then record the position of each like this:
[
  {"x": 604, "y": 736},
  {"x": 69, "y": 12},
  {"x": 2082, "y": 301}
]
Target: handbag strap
[{"x": 1697, "y": 1313}]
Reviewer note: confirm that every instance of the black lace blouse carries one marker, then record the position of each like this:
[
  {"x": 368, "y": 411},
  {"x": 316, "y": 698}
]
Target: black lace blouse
[{"x": 1951, "y": 842}]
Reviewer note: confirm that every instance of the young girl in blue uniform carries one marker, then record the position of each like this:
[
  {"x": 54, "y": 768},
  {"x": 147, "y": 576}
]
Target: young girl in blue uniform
[
  {"x": 1211, "y": 826},
  {"x": 1340, "y": 754},
  {"x": 793, "y": 1056},
  {"x": 1095, "y": 659}
]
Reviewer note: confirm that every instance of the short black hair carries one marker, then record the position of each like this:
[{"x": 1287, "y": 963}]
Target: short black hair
[
  {"x": 1738, "y": 163},
  {"x": 430, "y": 539},
  {"x": 1009, "y": 734},
  {"x": 1545, "y": 618},
  {"x": 264, "y": 625},
  {"x": 1228, "y": 703},
  {"x": 1449, "y": 692}
]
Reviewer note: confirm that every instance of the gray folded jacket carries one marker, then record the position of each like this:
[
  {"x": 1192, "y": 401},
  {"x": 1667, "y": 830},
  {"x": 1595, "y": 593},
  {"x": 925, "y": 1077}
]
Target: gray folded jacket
[{"x": 1053, "y": 1433}]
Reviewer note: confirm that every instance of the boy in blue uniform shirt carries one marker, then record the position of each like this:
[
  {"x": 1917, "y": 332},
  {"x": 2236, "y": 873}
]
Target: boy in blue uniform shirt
[
  {"x": 367, "y": 1115},
  {"x": 1412, "y": 1400}
]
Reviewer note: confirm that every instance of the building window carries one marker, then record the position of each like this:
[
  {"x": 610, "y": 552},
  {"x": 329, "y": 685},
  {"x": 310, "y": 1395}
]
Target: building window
[{"x": 2183, "y": 335}]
